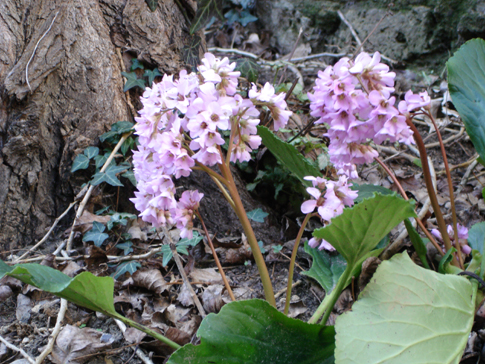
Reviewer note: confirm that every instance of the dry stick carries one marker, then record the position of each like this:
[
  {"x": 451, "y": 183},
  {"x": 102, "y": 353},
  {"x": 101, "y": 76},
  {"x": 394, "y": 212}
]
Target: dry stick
[
  {"x": 403, "y": 193},
  {"x": 60, "y": 317},
  {"x": 368, "y": 35},
  {"x": 461, "y": 165},
  {"x": 429, "y": 186},
  {"x": 138, "y": 351},
  {"x": 216, "y": 258},
  {"x": 463, "y": 181},
  {"x": 450, "y": 189},
  {"x": 446, "y": 141},
  {"x": 85, "y": 200},
  {"x": 182, "y": 273},
  {"x": 35, "y": 49},
  {"x": 280, "y": 292},
  {"x": 291, "y": 55},
  {"x": 48, "y": 233},
  {"x": 354, "y": 34},
  {"x": 15, "y": 348}
]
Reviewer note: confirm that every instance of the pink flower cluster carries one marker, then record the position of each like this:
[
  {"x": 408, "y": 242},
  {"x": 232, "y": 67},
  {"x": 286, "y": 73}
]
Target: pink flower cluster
[
  {"x": 354, "y": 99},
  {"x": 329, "y": 198},
  {"x": 462, "y": 237},
  {"x": 179, "y": 127}
]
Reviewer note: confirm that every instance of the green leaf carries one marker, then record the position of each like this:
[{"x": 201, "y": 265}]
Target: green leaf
[
  {"x": 181, "y": 247},
  {"x": 132, "y": 81},
  {"x": 326, "y": 269},
  {"x": 127, "y": 145},
  {"x": 206, "y": 9},
  {"x": 152, "y": 75},
  {"x": 476, "y": 236},
  {"x": 245, "y": 17},
  {"x": 253, "y": 331},
  {"x": 288, "y": 156},
  {"x": 86, "y": 290},
  {"x": 122, "y": 127},
  {"x": 152, "y": 4},
  {"x": 96, "y": 234},
  {"x": 257, "y": 215},
  {"x": 91, "y": 152},
  {"x": 357, "y": 230},
  {"x": 418, "y": 243},
  {"x": 466, "y": 82},
  {"x": 111, "y": 179},
  {"x": 367, "y": 190},
  {"x": 136, "y": 64},
  {"x": 248, "y": 68},
  {"x": 130, "y": 267},
  {"x": 190, "y": 52},
  {"x": 131, "y": 176},
  {"x": 407, "y": 314},
  {"x": 115, "y": 169},
  {"x": 127, "y": 248},
  {"x": 101, "y": 160},
  {"x": 80, "y": 162},
  {"x": 446, "y": 260}
]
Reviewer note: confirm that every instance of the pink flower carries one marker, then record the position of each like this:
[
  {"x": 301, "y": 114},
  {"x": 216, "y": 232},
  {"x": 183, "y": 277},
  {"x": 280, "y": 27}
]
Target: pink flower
[
  {"x": 412, "y": 102},
  {"x": 183, "y": 214},
  {"x": 462, "y": 237},
  {"x": 321, "y": 244}
]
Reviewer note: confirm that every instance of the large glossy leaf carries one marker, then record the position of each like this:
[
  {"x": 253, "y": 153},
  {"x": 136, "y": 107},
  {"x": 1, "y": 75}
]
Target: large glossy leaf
[
  {"x": 476, "y": 236},
  {"x": 367, "y": 190},
  {"x": 407, "y": 314},
  {"x": 466, "y": 82},
  {"x": 288, "y": 155},
  {"x": 358, "y": 230},
  {"x": 255, "y": 332},
  {"x": 87, "y": 290}
]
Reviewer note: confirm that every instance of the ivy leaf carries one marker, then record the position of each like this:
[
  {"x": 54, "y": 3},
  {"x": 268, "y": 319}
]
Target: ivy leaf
[
  {"x": 181, "y": 247},
  {"x": 101, "y": 160},
  {"x": 130, "y": 267},
  {"x": 136, "y": 64},
  {"x": 131, "y": 177},
  {"x": 206, "y": 9},
  {"x": 127, "y": 247},
  {"x": 108, "y": 177},
  {"x": 248, "y": 68},
  {"x": 127, "y": 145},
  {"x": 132, "y": 81},
  {"x": 152, "y": 4},
  {"x": 152, "y": 75},
  {"x": 190, "y": 52},
  {"x": 96, "y": 234},
  {"x": 122, "y": 127},
  {"x": 91, "y": 152},
  {"x": 257, "y": 215},
  {"x": 80, "y": 162}
]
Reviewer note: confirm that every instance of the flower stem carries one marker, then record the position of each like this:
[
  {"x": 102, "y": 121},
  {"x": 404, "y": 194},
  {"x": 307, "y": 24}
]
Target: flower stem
[
  {"x": 216, "y": 258},
  {"x": 429, "y": 186},
  {"x": 293, "y": 260}
]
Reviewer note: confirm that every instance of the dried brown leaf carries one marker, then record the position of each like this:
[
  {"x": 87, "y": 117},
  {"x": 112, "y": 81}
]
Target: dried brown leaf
[
  {"x": 5, "y": 293},
  {"x": 85, "y": 221},
  {"x": 207, "y": 275},
  {"x": 212, "y": 298},
  {"x": 150, "y": 279}
]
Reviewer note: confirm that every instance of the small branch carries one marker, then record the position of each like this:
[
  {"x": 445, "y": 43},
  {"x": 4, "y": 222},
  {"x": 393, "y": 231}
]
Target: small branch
[
  {"x": 182, "y": 273},
  {"x": 464, "y": 180},
  {"x": 35, "y": 49},
  {"x": 446, "y": 141},
  {"x": 138, "y": 351},
  {"x": 48, "y": 233},
  {"x": 60, "y": 317},
  {"x": 15, "y": 348},
  {"x": 354, "y": 34}
]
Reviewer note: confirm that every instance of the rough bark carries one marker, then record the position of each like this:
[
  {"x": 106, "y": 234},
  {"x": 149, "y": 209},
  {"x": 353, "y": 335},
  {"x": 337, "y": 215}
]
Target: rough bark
[{"x": 76, "y": 93}]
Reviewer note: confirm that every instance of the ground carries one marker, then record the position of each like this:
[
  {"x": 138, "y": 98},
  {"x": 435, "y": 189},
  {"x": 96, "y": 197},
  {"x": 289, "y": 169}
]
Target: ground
[{"x": 155, "y": 295}]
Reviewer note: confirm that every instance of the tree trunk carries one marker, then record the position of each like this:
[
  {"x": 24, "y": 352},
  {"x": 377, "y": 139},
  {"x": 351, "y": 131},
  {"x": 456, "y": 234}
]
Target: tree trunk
[{"x": 61, "y": 87}]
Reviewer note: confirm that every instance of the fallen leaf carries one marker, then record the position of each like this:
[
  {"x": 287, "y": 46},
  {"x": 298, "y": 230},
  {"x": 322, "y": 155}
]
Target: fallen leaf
[
  {"x": 174, "y": 314},
  {"x": 5, "y": 293},
  {"x": 150, "y": 279},
  {"x": 85, "y": 221},
  {"x": 184, "y": 297},
  {"x": 212, "y": 298},
  {"x": 73, "y": 343},
  {"x": 133, "y": 335},
  {"x": 24, "y": 308},
  {"x": 207, "y": 275}
]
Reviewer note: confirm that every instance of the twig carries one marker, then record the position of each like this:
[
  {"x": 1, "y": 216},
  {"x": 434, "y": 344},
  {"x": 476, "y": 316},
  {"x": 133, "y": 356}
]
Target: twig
[
  {"x": 464, "y": 180},
  {"x": 182, "y": 273},
  {"x": 451, "y": 138},
  {"x": 354, "y": 34},
  {"x": 35, "y": 49},
  {"x": 85, "y": 200},
  {"x": 127, "y": 93},
  {"x": 48, "y": 233},
  {"x": 368, "y": 35},
  {"x": 60, "y": 317},
  {"x": 280, "y": 292},
  {"x": 139, "y": 353},
  {"x": 15, "y": 348},
  {"x": 291, "y": 55}
]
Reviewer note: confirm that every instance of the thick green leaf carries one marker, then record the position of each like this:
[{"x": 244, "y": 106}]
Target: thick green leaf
[
  {"x": 407, "y": 314},
  {"x": 190, "y": 52},
  {"x": 248, "y": 68},
  {"x": 206, "y": 9},
  {"x": 255, "y": 332},
  {"x": 288, "y": 156},
  {"x": 446, "y": 260},
  {"x": 80, "y": 162},
  {"x": 133, "y": 81},
  {"x": 466, "y": 82},
  {"x": 122, "y": 127},
  {"x": 152, "y": 4},
  {"x": 366, "y": 191},
  {"x": 91, "y": 152},
  {"x": 96, "y": 234},
  {"x": 257, "y": 215},
  {"x": 418, "y": 243},
  {"x": 326, "y": 269},
  {"x": 86, "y": 290},
  {"x": 359, "y": 229},
  {"x": 476, "y": 236}
]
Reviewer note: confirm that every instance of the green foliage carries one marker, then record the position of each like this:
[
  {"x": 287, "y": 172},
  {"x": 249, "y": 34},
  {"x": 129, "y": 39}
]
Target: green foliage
[
  {"x": 151, "y": 75},
  {"x": 130, "y": 266},
  {"x": 476, "y": 236},
  {"x": 133, "y": 81},
  {"x": 429, "y": 323},
  {"x": 96, "y": 234},
  {"x": 367, "y": 191},
  {"x": 418, "y": 243},
  {"x": 255, "y": 332},
  {"x": 288, "y": 156},
  {"x": 257, "y": 215},
  {"x": 466, "y": 82},
  {"x": 181, "y": 246},
  {"x": 243, "y": 17},
  {"x": 136, "y": 65},
  {"x": 190, "y": 52},
  {"x": 127, "y": 247},
  {"x": 357, "y": 230},
  {"x": 248, "y": 68},
  {"x": 446, "y": 260},
  {"x": 206, "y": 9},
  {"x": 117, "y": 130},
  {"x": 82, "y": 160}
]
